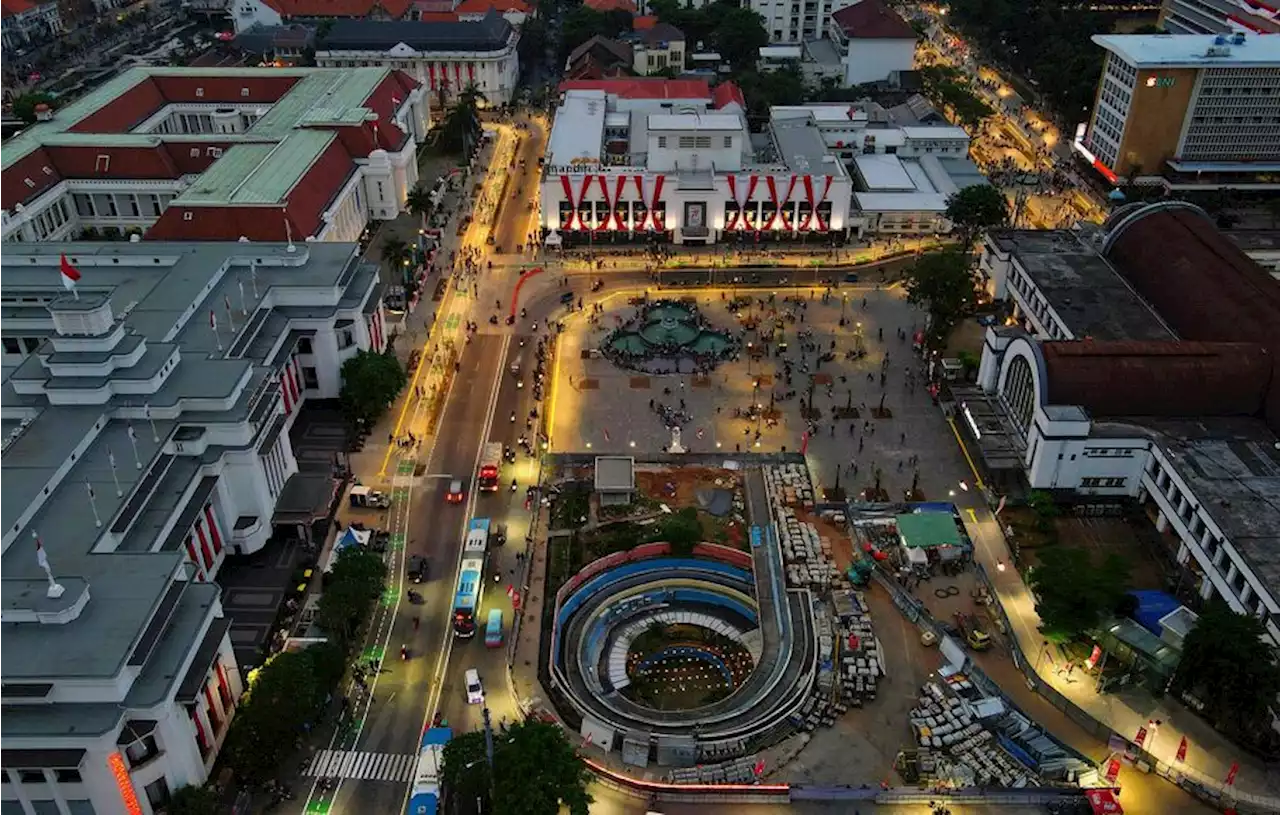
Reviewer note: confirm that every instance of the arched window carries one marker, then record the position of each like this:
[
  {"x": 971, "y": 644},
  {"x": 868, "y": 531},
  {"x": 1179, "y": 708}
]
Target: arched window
[{"x": 1019, "y": 392}]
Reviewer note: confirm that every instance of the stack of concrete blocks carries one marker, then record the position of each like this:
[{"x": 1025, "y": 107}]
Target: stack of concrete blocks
[
  {"x": 946, "y": 724},
  {"x": 860, "y": 667},
  {"x": 817, "y": 711},
  {"x": 788, "y": 484},
  {"x": 806, "y": 554},
  {"x": 738, "y": 771}
]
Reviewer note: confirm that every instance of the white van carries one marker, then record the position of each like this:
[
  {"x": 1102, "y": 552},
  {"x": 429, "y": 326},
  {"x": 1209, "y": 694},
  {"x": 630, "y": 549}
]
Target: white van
[{"x": 475, "y": 691}]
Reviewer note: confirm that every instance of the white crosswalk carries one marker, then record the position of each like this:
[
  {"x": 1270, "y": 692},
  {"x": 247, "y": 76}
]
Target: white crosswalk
[{"x": 363, "y": 765}]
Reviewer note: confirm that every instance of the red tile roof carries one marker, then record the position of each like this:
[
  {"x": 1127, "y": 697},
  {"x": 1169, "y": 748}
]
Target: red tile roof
[
  {"x": 36, "y": 167},
  {"x": 87, "y": 161},
  {"x": 725, "y": 93},
  {"x": 643, "y": 23},
  {"x": 644, "y": 87},
  {"x": 394, "y": 9},
  {"x": 1168, "y": 379},
  {"x": 1201, "y": 283},
  {"x": 151, "y": 94},
  {"x": 11, "y": 8},
  {"x": 872, "y": 20},
  {"x": 611, "y": 5},
  {"x": 437, "y": 17},
  {"x": 483, "y": 6}
]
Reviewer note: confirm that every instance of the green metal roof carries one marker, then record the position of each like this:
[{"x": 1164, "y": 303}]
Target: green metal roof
[
  {"x": 326, "y": 97},
  {"x": 258, "y": 173},
  {"x": 927, "y": 530}
]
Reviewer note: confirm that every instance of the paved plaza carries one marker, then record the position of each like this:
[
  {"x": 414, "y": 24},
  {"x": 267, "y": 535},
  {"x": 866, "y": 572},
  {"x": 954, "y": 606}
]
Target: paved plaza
[{"x": 601, "y": 407}]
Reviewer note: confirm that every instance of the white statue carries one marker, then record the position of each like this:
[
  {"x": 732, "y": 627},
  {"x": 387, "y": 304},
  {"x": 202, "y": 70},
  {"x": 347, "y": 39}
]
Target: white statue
[{"x": 676, "y": 446}]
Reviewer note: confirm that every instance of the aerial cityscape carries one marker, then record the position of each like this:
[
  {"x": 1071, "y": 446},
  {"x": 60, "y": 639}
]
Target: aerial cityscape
[{"x": 640, "y": 407}]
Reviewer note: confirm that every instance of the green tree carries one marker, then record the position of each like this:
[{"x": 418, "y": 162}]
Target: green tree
[
  {"x": 24, "y": 107},
  {"x": 1045, "y": 508},
  {"x": 739, "y": 36},
  {"x": 539, "y": 769},
  {"x": 193, "y": 800},
  {"x": 461, "y": 127},
  {"x": 370, "y": 383},
  {"x": 681, "y": 529},
  {"x": 763, "y": 90},
  {"x": 975, "y": 210},
  {"x": 418, "y": 201},
  {"x": 284, "y": 696},
  {"x": 1073, "y": 594},
  {"x": 944, "y": 284},
  {"x": 355, "y": 582},
  {"x": 395, "y": 251},
  {"x": 1228, "y": 667}
]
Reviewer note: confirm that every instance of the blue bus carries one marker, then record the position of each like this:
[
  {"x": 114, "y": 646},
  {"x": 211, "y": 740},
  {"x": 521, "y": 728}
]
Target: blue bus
[
  {"x": 493, "y": 629},
  {"x": 424, "y": 796},
  {"x": 466, "y": 600}
]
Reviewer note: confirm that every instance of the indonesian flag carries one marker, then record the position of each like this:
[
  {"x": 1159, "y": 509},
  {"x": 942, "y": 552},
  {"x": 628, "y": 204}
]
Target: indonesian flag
[
  {"x": 606, "y": 434},
  {"x": 213, "y": 320},
  {"x": 70, "y": 274}
]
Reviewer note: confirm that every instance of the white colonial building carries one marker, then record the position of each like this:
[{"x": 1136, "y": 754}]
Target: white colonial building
[
  {"x": 630, "y": 159},
  {"x": 216, "y": 154},
  {"x": 1139, "y": 363},
  {"x": 146, "y": 438},
  {"x": 444, "y": 57}
]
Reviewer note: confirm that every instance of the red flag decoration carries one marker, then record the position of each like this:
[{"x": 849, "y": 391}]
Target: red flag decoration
[
  {"x": 1231, "y": 774},
  {"x": 1092, "y": 662},
  {"x": 515, "y": 601},
  {"x": 1103, "y": 801},
  {"x": 213, "y": 320},
  {"x": 1141, "y": 738},
  {"x": 1113, "y": 769},
  {"x": 804, "y": 443},
  {"x": 70, "y": 274},
  {"x": 1182, "y": 749},
  {"x": 606, "y": 434},
  {"x": 759, "y": 768},
  {"x": 854, "y": 642}
]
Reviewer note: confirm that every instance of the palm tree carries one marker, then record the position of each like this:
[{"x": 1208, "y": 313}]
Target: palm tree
[
  {"x": 418, "y": 201},
  {"x": 396, "y": 253},
  {"x": 462, "y": 125}
]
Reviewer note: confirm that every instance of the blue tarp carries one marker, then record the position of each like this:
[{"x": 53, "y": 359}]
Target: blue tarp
[{"x": 1152, "y": 605}]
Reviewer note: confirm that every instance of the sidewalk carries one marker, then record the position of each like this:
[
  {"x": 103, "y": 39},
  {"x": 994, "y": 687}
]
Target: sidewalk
[{"x": 1210, "y": 756}]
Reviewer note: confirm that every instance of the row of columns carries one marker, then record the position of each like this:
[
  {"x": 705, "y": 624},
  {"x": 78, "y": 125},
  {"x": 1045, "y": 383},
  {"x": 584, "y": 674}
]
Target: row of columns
[{"x": 204, "y": 543}]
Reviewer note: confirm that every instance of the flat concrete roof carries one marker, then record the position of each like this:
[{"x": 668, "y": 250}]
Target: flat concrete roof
[
  {"x": 1233, "y": 468},
  {"x": 615, "y": 473},
  {"x": 1081, "y": 286},
  {"x": 578, "y": 131},
  {"x": 1191, "y": 50},
  {"x": 883, "y": 173},
  {"x": 162, "y": 293}
]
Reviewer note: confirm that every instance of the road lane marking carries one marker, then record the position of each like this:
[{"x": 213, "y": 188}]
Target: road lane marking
[{"x": 362, "y": 765}]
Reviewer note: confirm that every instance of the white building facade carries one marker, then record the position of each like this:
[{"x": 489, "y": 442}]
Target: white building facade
[
  {"x": 444, "y": 57},
  {"x": 633, "y": 169},
  {"x": 26, "y": 22},
  {"x": 149, "y": 452}
]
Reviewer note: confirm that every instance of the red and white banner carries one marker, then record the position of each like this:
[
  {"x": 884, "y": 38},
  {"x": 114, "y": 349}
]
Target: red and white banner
[
  {"x": 1103, "y": 802},
  {"x": 1141, "y": 738},
  {"x": 780, "y": 206},
  {"x": 659, "y": 224},
  {"x": 608, "y": 204},
  {"x": 1182, "y": 750},
  {"x": 1094, "y": 656},
  {"x": 471, "y": 73},
  {"x": 619, "y": 185},
  {"x": 575, "y": 217},
  {"x": 457, "y": 74},
  {"x": 431, "y": 74},
  {"x": 1113, "y": 769},
  {"x": 747, "y": 186},
  {"x": 1231, "y": 774},
  {"x": 567, "y": 187},
  {"x": 644, "y": 217},
  {"x": 783, "y": 206},
  {"x": 813, "y": 205}
]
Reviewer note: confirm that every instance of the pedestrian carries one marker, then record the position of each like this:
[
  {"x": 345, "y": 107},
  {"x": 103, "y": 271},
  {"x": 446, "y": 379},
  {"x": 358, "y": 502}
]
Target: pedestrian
[{"x": 861, "y": 442}]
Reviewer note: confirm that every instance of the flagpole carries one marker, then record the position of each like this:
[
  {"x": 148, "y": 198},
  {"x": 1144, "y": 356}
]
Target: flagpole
[
  {"x": 133, "y": 442},
  {"x": 253, "y": 278},
  {"x": 231, "y": 320},
  {"x": 213, "y": 324},
  {"x": 93, "y": 504},
  {"x": 146, "y": 411},
  {"x": 42, "y": 557},
  {"x": 115, "y": 476},
  {"x": 244, "y": 312}
]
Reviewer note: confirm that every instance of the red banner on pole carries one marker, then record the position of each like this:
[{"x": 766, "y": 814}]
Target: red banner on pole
[
  {"x": 1141, "y": 738},
  {"x": 1113, "y": 769},
  {"x": 804, "y": 443},
  {"x": 1231, "y": 774},
  {"x": 1103, "y": 802},
  {"x": 1094, "y": 656},
  {"x": 1182, "y": 749}
]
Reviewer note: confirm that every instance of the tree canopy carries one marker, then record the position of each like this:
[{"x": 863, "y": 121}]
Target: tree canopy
[
  {"x": 461, "y": 127},
  {"x": 285, "y": 696},
  {"x": 539, "y": 769},
  {"x": 370, "y": 383},
  {"x": 1073, "y": 593},
  {"x": 948, "y": 87},
  {"x": 350, "y": 589},
  {"x": 1227, "y": 667},
  {"x": 24, "y": 107},
  {"x": 975, "y": 210},
  {"x": 735, "y": 32},
  {"x": 193, "y": 800},
  {"x": 1040, "y": 40},
  {"x": 583, "y": 22},
  {"x": 944, "y": 284}
]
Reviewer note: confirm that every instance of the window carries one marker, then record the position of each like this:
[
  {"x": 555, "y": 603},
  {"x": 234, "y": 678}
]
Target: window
[
  {"x": 244, "y": 91},
  {"x": 728, "y": 141},
  {"x": 662, "y": 141},
  {"x": 68, "y": 776},
  {"x": 214, "y": 152},
  {"x": 30, "y": 344},
  {"x": 102, "y": 163},
  {"x": 158, "y": 791},
  {"x": 1103, "y": 483},
  {"x": 31, "y": 776},
  {"x": 345, "y": 338},
  {"x": 11, "y": 346},
  {"x": 141, "y": 751},
  {"x": 309, "y": 380},
  {"x": 304, "y": 345}
]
